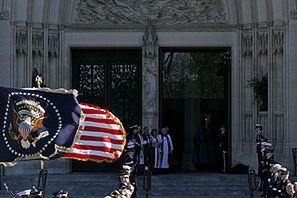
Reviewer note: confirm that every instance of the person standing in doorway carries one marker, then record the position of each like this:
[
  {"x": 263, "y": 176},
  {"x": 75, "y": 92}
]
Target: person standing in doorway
[
  {"x": 154, "y": 151},
  {"x": 165, "y": 150},
  {"x": 223, "y": 140}
]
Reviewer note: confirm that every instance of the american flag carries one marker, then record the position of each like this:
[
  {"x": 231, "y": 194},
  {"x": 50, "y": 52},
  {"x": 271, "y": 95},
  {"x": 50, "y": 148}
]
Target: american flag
[{"x": 101, "y": 138}]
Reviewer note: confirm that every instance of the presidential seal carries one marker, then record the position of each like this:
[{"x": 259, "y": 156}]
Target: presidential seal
[{"x": 28, "y": 117}]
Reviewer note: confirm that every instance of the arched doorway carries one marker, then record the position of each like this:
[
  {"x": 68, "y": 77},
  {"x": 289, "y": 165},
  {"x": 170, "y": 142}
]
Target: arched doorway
[{"x": 195, "y": 103}]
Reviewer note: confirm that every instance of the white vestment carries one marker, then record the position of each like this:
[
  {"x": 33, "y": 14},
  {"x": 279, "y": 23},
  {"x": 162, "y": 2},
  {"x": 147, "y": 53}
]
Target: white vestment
[{"x": 164, "y": 149}]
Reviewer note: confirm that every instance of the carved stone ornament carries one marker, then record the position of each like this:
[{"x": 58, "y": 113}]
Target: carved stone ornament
[
  {"x": 150, "y": 71},
  {"x": 21, "y": 41},
  {"x": 247, "y": 44},
  {"x": 4, "y": 15},
  {"x": 150, "y": 40},
  {"x": 293, "y": 14},
  {"x": 278, "y": 42},
  {"x": 53, "y": 44},
  {"x": 262, "y": 43},
  {"x": 166, "y": 12},
  {"x": 37, "y": 42}
]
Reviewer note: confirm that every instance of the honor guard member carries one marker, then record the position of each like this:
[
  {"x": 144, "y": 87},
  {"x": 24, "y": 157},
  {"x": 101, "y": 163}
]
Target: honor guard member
[
  {"x": 284, "y": 177},
  {"x": 279, "y": 186},
  {"x": 290, "y": 190},
  {"x": 60, "y": 194},
  {"x": 132, "y": 150},
  {"x": 273, "y": 177},
  {"x": 266, "y": 164},
  {"x": 259, "y": 139}
]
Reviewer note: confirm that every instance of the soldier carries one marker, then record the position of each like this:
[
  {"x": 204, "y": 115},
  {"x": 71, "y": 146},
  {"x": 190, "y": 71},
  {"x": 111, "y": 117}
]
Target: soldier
[
  {"x": 132, "y": 150},
  {"x": 290, "y": 190},
  {"x": 60, "y": 194},
  {"x": 273, "y": 177},
  {"x": 127, "y": 178},
  {"x": 259, "y": 140},
  {"x": 279, "y": 188},
  {"x": 266, "y": 164},
  {"x": 295, "y": 189}
]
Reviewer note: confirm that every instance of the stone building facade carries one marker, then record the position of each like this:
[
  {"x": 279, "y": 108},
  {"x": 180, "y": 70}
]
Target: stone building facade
[{"x": 262, "y": 35}]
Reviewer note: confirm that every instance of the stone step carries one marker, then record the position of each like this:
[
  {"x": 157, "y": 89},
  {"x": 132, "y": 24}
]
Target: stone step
[{"x": 170, "y": 185}]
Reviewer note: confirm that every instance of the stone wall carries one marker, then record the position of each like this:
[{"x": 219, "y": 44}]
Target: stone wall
[{"x": 262, "y": 35}]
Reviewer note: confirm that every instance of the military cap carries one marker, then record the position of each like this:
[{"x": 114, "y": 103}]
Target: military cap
[
  {"x": 259, "y": 126},
  {"x": 133, "y": 126},
  {"x": 61, "y": 194},
  {"x": 283, "y": 171}
]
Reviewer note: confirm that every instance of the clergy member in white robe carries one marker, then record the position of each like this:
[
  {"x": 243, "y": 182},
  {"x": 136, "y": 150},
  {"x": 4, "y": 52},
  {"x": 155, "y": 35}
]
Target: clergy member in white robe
[{"x": 165, "y": 148}]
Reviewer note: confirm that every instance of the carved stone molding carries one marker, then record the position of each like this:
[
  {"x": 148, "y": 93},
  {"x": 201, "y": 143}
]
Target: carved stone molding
[
  {"x": 293, "y": 14},
  {"x": 37, "y": 42},
  {"x": 150, "y": 40},
  {"x": 166, "y": 12},
  {"x": 247, "y": 44},
  {"x": 21, "y": 41},
  {"x": 278, "y": 42},
  {"x": 262, "y": 43},
  {"x": 53, "y": 44},
  {"x": 4, "y": 13},
  {"x": 150, "y": 76}
]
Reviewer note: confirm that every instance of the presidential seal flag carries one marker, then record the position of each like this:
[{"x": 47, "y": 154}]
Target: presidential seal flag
[
  {"x": 101, "y": 137},
  {"x": 36, "y": 123}
]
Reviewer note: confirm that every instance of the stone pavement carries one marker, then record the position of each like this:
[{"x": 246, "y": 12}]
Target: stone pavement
[{"x": 177, "y": 185}]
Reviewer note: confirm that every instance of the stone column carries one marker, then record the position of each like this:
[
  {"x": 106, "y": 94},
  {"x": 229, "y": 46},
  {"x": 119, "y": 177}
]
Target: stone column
[
  {"x": 278, "y": 72},
  {"x": 21, "y": 55},
  {"x": 150, "y": 78},
  {"x": 5, "y": 32},
  {"x": 53, "y": 55}
]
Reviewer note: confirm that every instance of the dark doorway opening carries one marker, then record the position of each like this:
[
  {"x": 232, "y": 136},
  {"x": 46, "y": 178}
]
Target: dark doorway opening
[
  {"x": 111, "y": 79},
  {"x": 195, "y": 103}
]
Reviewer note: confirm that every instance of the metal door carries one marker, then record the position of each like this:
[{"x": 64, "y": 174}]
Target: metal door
[{"x": 110, "y": 79}]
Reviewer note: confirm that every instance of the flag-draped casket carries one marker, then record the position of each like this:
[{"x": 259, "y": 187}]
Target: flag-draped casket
[{"x": 46, "y": 124}]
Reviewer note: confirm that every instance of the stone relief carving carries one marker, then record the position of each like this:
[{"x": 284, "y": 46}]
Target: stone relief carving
[
  {"x": 293, "y": 12},
  {"x": 247, "y": 44},
  {"x": 4, "y": 13},
  {"x": 21, "y": 41},
  {"x": 140, "y": 11},
  {"x": 277, "y": 42},
  {"x": 150, "y": 40},
  {"x": 37, "y": 42},
  {"x": 53, "y": 44},
  {"x": 150, "y": 71},
  {"x": 262, "y": 43}
]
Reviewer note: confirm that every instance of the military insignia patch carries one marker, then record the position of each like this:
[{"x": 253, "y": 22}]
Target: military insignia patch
[{"x": 36, "y": 124}]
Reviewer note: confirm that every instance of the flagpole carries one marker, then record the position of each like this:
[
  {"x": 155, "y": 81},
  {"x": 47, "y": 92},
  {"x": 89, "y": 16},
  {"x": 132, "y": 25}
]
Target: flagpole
[
  {"x": 43, "y": 172},
  {"x": 42, "y": 178}
]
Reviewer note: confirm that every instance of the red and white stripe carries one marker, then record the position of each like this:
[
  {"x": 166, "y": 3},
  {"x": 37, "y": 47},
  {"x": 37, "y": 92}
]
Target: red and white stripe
[{"x": 102, "y": 137}]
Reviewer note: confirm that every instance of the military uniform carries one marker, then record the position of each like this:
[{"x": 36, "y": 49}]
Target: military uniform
[
  {"x": 279, "y": 186},
  {"x": 259, "y": 140},
  {"x": 266, "y": 163}
]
